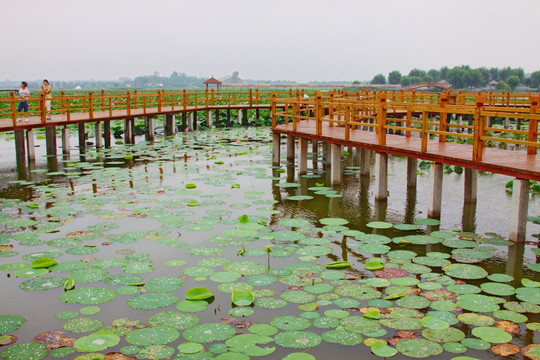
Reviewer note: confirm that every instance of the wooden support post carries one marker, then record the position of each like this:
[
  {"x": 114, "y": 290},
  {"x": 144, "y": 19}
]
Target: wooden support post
[
  {"x": 335, "y": 166},
  {"x": 132, "y": 126},
  {"x": 435, "y": 192},
  {"x": 276, "y": 148},
  {"x": 30, "y": 147},
  {"x": 381, "y": 176},
  {"x": 169, "y": 124},
  {"x": 65, "y": 140},
  {"x": 315, "y": 153},
  {"x": 328, "y": 158},
  {"x": 302, "y": 156},
  {"x": 459, "y": 120},
  {"x": 216, "y": 115},
  {"x": 365, "y": 161},
  {"x": 50, "y": 139},
  {"x": 228, "y": 115},
  {"x": 519, "y": 209},
  {"x": 82, "y": 137},
  {"x": 239, "y": 116},
  {"x": 290, "y": 148},
  {"x": 184, "y": 121},
  {"x": 470, "y": 185},
  {"x": 127, "y": 132},
  {"x": 191, "y": 121},
  {"x": 107, "y": 133},
  {"x": 244, "y": 116},
  {"x": 149, "y": 125},
  {"x": 19, "y": 147},
  {"x": 257, "y": 113},
  {"x": 412, "y": 165},
  {"x": 194, "y": 125},
  {"x": 98, "y": 136},
  {"x": 209, "y": 119}
]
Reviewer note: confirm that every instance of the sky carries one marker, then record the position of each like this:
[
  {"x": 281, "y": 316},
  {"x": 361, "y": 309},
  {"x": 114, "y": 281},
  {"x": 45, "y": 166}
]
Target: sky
[{"x": 299, "y": 40}]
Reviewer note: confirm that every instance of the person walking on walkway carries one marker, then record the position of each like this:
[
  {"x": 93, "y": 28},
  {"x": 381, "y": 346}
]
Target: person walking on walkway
[
  {"x": 24, "y": 94},
  {"x": 46, "y": 87}
]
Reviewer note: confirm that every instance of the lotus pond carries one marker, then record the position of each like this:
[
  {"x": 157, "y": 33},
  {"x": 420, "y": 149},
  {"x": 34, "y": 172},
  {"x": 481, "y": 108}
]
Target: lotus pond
[{"x": 194, "y": 247}]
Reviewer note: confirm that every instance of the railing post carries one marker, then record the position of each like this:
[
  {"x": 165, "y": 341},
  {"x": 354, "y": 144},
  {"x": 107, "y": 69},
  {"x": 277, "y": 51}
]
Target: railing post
[
  {"x": 443, "y": 117},
  {"x": 128, "y": 103},
  {"x": 533, "y": 126},
  {"x": 42, "y": 108},
  {"x": 185, "y": 99},
  {"x": 159, "y": 100},
  {"x": 212, "y": 97},
  {"x": 273, "y": 107},
  {"x": 206, "y": 98},
  {"x": 296, "y": 112},
  {"x": 63, "y": 102},
  {"x": 381, "y": 118},
  {"x": 320, "y": 114},
  {"x": 13, "y": 108},
  {"x": 257, "y": 96},
  {"x": 424, "y": 135},
  {"x": 250, "y": 98},
  {"x": 110, "y": 107},
  {"x": 136, "y": 98},
  {"x": 478, "y": 143},
  {"x": 102, "y": 100},
  {"x": 90, "y": 104}
]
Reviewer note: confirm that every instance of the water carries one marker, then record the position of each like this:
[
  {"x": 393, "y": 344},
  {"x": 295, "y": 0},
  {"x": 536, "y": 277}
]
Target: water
[{"x": 140, "y": 194}]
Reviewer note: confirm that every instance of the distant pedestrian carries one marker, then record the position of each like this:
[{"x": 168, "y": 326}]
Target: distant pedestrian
[
  {"x": 24, "y": 94},
  {"x": 46, "y": 87}
]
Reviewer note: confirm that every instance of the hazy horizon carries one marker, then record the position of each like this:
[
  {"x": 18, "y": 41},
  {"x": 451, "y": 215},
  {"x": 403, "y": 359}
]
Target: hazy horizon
[{"x": 300, "y": 40}]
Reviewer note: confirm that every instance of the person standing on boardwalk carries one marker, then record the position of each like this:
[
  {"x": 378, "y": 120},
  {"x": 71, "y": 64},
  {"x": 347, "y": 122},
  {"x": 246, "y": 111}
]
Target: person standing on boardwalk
[
  {"x": 46, "y": 87},
  {"x": 24, "y": 94}
]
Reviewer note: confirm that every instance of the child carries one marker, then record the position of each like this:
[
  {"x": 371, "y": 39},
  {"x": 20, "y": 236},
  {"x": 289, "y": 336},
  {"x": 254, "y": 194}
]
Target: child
[
  {"x": 48, "y": 97},
  {"x": 24, "y": 94}
]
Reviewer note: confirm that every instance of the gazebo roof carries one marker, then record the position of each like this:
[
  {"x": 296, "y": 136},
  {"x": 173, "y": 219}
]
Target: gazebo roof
[
  {"x": 212, "y": 81},
  {"x": 493, "y": 82}
]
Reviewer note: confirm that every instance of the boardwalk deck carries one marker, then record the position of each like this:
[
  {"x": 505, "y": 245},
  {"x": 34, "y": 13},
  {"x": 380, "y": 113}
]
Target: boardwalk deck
[{"x": 508, "y": 162}]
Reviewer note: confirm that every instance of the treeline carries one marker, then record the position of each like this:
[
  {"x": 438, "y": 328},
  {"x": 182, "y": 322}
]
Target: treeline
[{"x": 464, "y": 77}]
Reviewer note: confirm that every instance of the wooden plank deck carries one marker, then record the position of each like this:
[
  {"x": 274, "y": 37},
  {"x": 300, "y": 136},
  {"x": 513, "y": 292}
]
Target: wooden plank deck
[
  {"x": 508, "y": 162},
  {"x": 6, "y": 124}
]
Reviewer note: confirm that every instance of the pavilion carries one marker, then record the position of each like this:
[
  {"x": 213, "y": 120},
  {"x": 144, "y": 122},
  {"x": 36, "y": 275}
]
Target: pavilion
[{"x": 213, "y": 81}]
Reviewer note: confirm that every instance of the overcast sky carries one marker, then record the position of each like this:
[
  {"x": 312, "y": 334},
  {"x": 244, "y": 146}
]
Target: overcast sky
[{"x": 300, "y": 40}]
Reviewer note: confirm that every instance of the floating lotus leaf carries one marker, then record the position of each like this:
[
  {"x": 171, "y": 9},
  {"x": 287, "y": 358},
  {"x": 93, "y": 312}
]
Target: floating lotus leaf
[
  {"x": 88, "y": 296},
  {"x": 522, "y": 307},
  {"x": 29, "y": 273},
  {"x": 342, "y": 337},
  {"x": 428, "y": 222},
  {"x": 246, "y": 268},
  {"x": 413, "y": 302},
  {"x": 209, "y": 332},
  {"x": 419, "y": 348},
  {"x": 431, "y": 261},
  {"x": 492, "y": 334},
  {"x": 444, "y": 335},
  {"x": 318, "y": 288},
  {"x": 463, "y": 289},
  {"x": 97, "y": 341},
  {"x": 289, "y": 322},
  {"x": 530, "y": 351},
  {"x": 405, "y": 323},
  {"x": 10, "y": 323},
  {"x": 530, "y": 295},
  {"x": 242, "y": 298},
  {"x": 333, "y": 221},
  {"x": 383, "y": 350},
  {"x": 150, "y": 301},
  {"x": 455, "y": 348},
  {"x": 360, "y": 325},
  {"x": 510, "y": 316},
  {"x": 379, "y": 225},
  {"x": 358, "y": 291},
  {"x": 157, "y": 335},
  {"x": 499, "y": 289},
  {"x": 263, "y": 329},
  {"x": 82, "y": 325},
  {"x": 374, "y": 248},
  {"x": 230, "y": 287},
  {"x": 299, "y": 356},
  {"x": 225, "y": 276},
  {"x": 404, "y": 281},
  {"x": 40, "y": 284},
  {"x": 445, "y": 316},
  {"x": 138, "y": 268},
  {"x": 190, "y": 348},
  {"x": 433, "y": 323},
  {"x": 405, "y": 227},
  {"x": 530, "y": 283},
  {"x": 25, "y": 351},
  {"x": 477, "y": 344},
  {"x": 478, "y": 303},
  {"x": 373, "y": 265},
  {"x": 270, "y": 303},
  {"x": 476, "y": 319},
  {"x": 61, "y": 352},
  {"x": 247, "y": 344},
  {"x": 43, "y": 262},
  {"x": 199, "y": 271},
  {"x": 173, "y": 319},
  {"x": 465, "y": 271},
  {"x": 198, "y": 293},
  {"x": 88, "y": 275},
  {"x": 261, "y": 280},
  {"x": 297, "y": 296},
  {"x": 297, "y": 339},
  {"x": 192, "y": 305},
  {"x": 295, "y": 222},
  {"x": 164, "y": 284}
]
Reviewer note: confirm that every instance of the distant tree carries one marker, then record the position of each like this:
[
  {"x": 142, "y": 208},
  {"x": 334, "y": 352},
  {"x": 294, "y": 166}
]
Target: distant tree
[
  {"x": 406, "y": 81},
  {"x": 428, "y": 78},
  {"x": 455, "y": 77},
  {"x": 505, "y": 73},
  {"x": 494, "y": 74},
  {"x": 417, "y": 72},
  {"x": 512, "y": 81},
  {"x": 486, "y": 75},
  {"x": 394, "y": 77},
  {"x": 502, "y": 86},
  {"x": 415, "y": 79},
  {"x": 534, "y": 80},
  {"x": 444, "y": 72},
  {"x": 435, "y": 74},
  {"x": 474, "y": 78},
  {"x": 379, "y": 79},
  {"x": 356, "y": 82}
]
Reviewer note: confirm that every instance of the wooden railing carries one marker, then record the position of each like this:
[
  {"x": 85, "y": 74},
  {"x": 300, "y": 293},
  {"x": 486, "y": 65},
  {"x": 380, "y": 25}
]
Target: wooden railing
[{"x": 405, "y": 114}]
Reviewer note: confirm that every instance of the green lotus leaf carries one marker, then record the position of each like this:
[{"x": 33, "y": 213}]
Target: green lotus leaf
[
  {"x": 373, "y": 266},
  {"x": 492, "y": 334},
  {"x": 465, "y": 271},
  {"x": 209, "y": 332},
  {"x": 383, "y": 350},
  {"x": 88, "y": 296},
  {"x": 43, "y": 262},
  {"x": 25, "y": 351},
  {"x": 247, "y": 344},
  {"x": 10, "y": 323},
  {"x": 173, "y": 319},
  {"x": 157, "y": 335},
  {"x": 242, "y": 298},
  {"x": 338, "y": 265},
  {"x": 434, "y": 323},
  {"x": 198, "y": 293},
  {"x": 419, "y": 348},
  {"x": 297, "y": 339},
  {"x": 82, "y": 325},
  {"x": 190, "y": 348},
  {"x": 97, "y": 341},
  {"x": 150, "y": 301}
]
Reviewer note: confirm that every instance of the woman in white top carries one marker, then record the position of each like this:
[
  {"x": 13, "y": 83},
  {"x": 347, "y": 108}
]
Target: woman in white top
[{"x": 24, "y": 94}]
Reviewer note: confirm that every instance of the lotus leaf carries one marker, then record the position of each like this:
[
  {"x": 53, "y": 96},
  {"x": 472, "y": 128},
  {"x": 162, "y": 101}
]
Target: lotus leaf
[
  {"x": 209, "y": 332},
  {"x": 88, "y": 296},
  {"x": 419, "y": 348},
  {"x": 492, "y": 334},
  {"x": 247, "y": 344},
  {"x": 157, "y": 335},
  {"x": 97, "y": 341},
  {"x": 150, "y": 301},
  {"x": 25, "y": 351},
  {"x": 242, "y": 298},
  {"x": 297, "y": 339}
]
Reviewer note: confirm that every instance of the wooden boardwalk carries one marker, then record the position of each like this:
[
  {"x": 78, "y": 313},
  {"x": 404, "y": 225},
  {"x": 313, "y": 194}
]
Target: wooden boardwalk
[{"x": 507, "y": 162}]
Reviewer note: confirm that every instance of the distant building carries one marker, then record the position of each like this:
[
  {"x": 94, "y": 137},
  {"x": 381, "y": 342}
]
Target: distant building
[
  {"x": 213, "y": 81},
  {"x": 78, "y": 87},
  {"x": 234, "y": 79},
  {"x": 156, "y": 74},
  {"x": 492, "y": 84}
]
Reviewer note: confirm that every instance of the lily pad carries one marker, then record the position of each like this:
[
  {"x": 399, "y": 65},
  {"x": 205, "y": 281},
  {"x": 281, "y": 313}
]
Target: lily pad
[
  {"x": 297, "y": 339},
  {"x": 198, "y": 293},
  {"x": 157, "y": 335},
  {"x": 419, "y": 348},
  {"x": 209, "y": 332},
  {"x": 97, "y": 341},
  {"x": 492, "y": 334}
]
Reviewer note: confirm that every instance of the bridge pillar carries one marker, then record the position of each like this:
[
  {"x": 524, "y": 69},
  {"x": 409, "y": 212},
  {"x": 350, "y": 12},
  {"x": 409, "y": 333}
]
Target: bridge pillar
[
  {"x": 170, "y": 127},
  {"x": 276, "y": 148},
  {"x": 216, "y": 115},
  {"x": 335, "y": 166},
  {"x": 107, "y": 133},
  {"x": 149, "y": 126},
  {"x": 30, "y": 144},
  {"x": 506, "y": 122},
  {"x": 239, "y": 116},
  {"x": 209, "y": 119},
  {"x": 435, "y": 192},
  {"x": 365, "y": 161},
  {"x": 228, "y": 115},
  {"x": 191, "y": 121},
  {"x": 302, "y": 156},
  {"x": 127, "y": 132},
  {"x": 315, "y": 151},
  {"x": 184, "y": 121},
  {"x": 290, "y": 149},
  {"x": 19, "y": 147},
  {"x": 470, "y": 186},
  {"x": 381, "y": 176},
  {"x": 65, "y": 140},
  {"x": 50, "y": 139},
  {"x": 257, "y": 113},
  {"x": 412, "y": 165},
  {"x": 489, "y": 121},
  {"x": 82, "y": 137},
  {"x": 518, "y": 211},
  {"x": 98, "y": 136},
  {"x": 459, "y": 119},
  {"x": 244, "y": 116}
]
